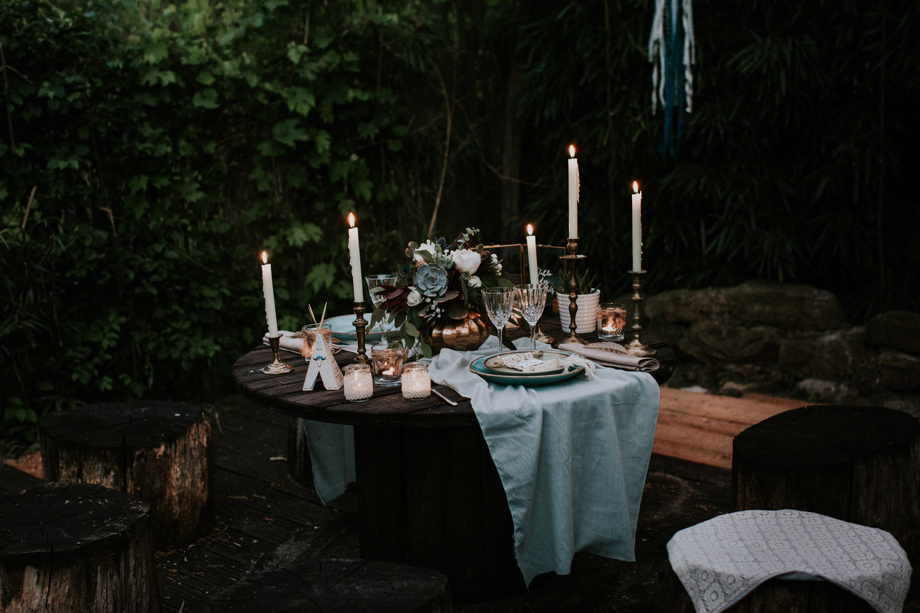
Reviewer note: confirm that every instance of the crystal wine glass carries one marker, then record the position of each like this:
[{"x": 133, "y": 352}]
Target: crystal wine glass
[
  {"x": 499, "y": 301},
  {"x": 532, "y": 299},
  {"x": 375, "y": 285}
]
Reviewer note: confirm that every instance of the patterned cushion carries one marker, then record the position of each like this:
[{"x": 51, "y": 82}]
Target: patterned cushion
[{"x": 721, "y": 560}]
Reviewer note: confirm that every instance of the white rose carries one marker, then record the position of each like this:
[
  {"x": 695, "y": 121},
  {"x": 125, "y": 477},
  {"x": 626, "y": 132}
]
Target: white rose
[
  {"x": 428, "y": 246},
  {"x": 466, "y": 260},
  {"x": 413, "y": 298},
  {"x": 474, "y": 281}
]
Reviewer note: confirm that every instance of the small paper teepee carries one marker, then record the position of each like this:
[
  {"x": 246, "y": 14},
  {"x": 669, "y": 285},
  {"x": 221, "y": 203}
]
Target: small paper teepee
[{"x": 323, "y": 364}]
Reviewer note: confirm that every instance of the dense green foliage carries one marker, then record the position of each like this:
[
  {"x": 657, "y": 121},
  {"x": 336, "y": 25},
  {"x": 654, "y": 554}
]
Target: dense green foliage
[
  {"x": 148, "y": 152},
  {"x": 798, "y": 163}
]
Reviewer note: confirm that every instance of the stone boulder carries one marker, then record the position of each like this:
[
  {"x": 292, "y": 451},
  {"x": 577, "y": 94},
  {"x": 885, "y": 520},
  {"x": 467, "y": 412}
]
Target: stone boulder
[
  {"x": 740, "y": 324},
  {"x": 899, "y": 372},
  {"x": 898, "y": 330},
  {"x": 834, "y": 356},
  {"x": 784, "y": 306}
]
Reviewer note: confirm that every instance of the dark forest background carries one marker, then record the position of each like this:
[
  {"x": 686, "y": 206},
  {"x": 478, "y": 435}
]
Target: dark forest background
[{"x": 149, "y": 151}]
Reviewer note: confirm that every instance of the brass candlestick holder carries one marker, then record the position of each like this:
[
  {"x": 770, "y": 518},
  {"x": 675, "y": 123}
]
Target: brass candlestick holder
[
  {"x": 360, "y": 326},
  {"x": 636, "y": 346},
  {"x": 276, "y": 367},
  {"x": 571, "y": 263}
]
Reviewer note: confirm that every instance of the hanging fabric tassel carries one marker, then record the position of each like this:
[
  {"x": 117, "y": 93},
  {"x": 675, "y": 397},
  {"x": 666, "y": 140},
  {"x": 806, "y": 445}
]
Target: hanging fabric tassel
[{"x": 671, "y": 49}]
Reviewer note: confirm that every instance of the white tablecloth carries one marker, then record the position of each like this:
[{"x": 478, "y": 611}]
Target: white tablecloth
[{"x": 721, "y": 560}]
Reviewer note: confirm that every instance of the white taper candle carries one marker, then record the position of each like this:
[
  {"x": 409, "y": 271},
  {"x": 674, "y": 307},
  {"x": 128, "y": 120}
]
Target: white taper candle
[
  {"x": 354, "y": 253},
  {"x": 269, "y": 291},
  {"x": 573, "y": 193},
  {"x": 637, "y": 228}
]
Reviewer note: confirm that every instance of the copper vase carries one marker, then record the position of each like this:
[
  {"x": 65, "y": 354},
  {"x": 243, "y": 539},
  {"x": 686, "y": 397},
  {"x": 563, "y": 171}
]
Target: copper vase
[{"x": 464, "y": 334}]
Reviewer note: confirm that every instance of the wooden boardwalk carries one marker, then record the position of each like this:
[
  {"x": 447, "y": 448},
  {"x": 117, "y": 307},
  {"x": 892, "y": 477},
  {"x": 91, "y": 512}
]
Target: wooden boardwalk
[{"x": 263, "y": 516}]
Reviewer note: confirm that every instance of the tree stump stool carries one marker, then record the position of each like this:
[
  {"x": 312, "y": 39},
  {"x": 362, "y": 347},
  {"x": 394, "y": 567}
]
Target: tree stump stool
[
  {"x": 338, "y": 586},
  {"x": 857, "y": 464},
  {"x": 158, "y": 451},
  {"x": 67, "y": 547},
  {"x": 298, "y": 453}
]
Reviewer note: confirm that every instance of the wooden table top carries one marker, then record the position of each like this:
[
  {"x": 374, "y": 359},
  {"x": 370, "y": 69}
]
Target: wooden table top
[{"x": 387, "y": 407}]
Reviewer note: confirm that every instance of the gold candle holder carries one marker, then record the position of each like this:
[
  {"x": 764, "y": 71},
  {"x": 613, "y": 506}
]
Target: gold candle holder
[
  {"x": 276, "y": 366},
  {"x": 360, "y": 326},
  {"x": 636, "y": 346},
  {"x": 571, "y": 264}
]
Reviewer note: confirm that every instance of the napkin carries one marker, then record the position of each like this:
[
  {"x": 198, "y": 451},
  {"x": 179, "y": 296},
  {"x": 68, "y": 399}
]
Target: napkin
[
  {"x": 623, "y": 361},
  {"x": 289, "y": 341}
]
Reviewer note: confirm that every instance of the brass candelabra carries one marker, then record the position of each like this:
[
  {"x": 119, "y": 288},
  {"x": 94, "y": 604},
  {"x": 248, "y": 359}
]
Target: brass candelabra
[
  {"x": 636, "y": 346},
  {"x": 360, "y": 326},
  {"x": 572, "y": 258}
]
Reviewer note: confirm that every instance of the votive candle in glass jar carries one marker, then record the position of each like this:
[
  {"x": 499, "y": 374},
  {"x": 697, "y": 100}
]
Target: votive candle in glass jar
[
  {"x": 359, "y": 385},
  {"x": 416, "y": 383},
  {"x": 611, "y": 318},
  {"x": 388, "y": 365}
]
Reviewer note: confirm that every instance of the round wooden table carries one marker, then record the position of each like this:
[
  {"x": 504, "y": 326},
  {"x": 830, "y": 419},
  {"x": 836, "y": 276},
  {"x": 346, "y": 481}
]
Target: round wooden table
[{"x": 429, "y": 494}]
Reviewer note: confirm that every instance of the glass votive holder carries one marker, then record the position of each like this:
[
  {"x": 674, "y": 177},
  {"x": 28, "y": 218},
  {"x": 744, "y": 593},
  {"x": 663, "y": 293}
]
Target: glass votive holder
[
  {"x": 416, "y": 383},
  {"x": 309, "y": 333},
  {"x": 359, "y": 385},
  {"x": 611, "y": 319},
  {"x": 388, "y": 365}
]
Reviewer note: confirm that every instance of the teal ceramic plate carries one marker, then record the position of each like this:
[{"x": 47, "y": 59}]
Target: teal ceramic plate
[
  {"x": 343, "y": 328},
  {"x": 519, "y": 378}
]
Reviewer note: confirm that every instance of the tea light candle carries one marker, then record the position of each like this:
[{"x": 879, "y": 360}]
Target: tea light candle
[
  {"x": 611, "y": 317},
  {"x": 416, "y": 383},
  {"x": 573, "y": 193},
  {"x": 355, "y": 256},
  {"x": 269, "y": 292},
  {"x": 359, "y": 386}
]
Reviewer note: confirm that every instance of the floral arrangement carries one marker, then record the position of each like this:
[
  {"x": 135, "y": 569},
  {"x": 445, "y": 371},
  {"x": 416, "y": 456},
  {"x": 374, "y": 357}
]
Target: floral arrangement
[{"x": 441, "y": 282}]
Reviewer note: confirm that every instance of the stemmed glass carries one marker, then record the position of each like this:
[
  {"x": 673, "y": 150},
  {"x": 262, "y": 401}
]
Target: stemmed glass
[
  {"x": 376, "y": 282},
  {"x": 498, "y": 301},
  {"x": 532, "y": 299}
]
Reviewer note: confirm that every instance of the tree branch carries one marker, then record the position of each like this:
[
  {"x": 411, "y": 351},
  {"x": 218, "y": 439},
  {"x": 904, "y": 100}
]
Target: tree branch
[{"x": 447, "y": 105}]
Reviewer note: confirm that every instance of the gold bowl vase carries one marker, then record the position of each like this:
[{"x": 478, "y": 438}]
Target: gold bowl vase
[{"x": 464, "y": 334}]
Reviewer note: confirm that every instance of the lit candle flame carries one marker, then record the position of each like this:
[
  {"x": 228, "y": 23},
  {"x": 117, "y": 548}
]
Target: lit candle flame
[
  {"x": 636, "y": 186},
  {"x": 264, "y": 258},
  {"x": 529, "y": 229},
  {"x": 351, "y": 220},
  {"x": 571, "y": 150}
]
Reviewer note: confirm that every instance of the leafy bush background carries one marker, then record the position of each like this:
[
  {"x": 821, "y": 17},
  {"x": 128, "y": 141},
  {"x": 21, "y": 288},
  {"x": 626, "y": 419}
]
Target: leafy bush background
[{"x": 149, "y": 151}]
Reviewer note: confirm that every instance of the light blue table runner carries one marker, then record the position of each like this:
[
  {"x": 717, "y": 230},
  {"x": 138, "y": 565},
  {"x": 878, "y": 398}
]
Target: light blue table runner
[{"x": 572, "y": 457}]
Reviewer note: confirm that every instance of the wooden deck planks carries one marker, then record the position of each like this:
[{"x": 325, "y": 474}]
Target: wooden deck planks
[{"x": 700, "y": 427}]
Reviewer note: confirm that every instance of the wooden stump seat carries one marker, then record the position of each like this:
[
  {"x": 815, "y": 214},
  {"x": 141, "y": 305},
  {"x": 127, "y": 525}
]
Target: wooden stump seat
[
  {"x": 856, "y": 464},
  {"x": 338, "y": 586},
  {"x": 67, "y": 547},
  {"x": 158, "y": 451}
]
